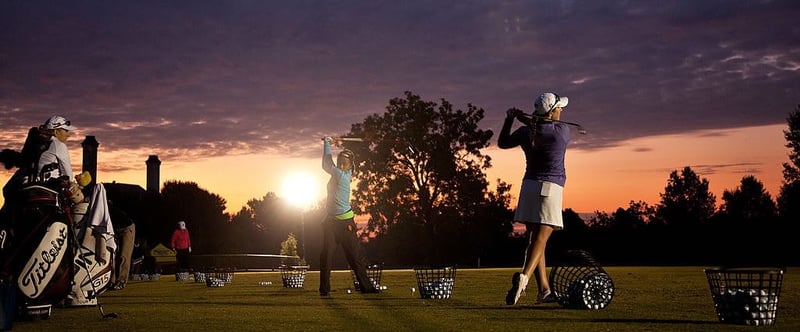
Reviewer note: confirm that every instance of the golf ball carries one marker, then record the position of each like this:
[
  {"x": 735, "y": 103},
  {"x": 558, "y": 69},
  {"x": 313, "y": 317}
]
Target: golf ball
[{"x": 348, "y": 291}]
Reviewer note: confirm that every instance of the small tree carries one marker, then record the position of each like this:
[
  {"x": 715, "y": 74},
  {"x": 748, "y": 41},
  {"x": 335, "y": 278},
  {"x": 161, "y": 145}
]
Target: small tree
[
  {"x": 686, "y": 200},
  {"x": 749, "y": 202},
  {"x": 289, "y": 248},
  {"x": 634, "y": 217}
]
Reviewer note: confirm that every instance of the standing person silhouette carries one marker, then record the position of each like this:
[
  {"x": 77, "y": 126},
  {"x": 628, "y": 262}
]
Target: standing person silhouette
[
  {"x": 339, "y": 227},
  {"x": 125, "y": 234},
  {"x": 181, "y": 243},
  {"x": 540, "y": 198}
]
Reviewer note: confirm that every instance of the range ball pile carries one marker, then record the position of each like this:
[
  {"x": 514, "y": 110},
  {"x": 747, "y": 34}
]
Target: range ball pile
[
  {"x": 747, "y": 306},
  {"x": 218, "y": 279},
  {"x": 293, "y": 281},
  {"x": 441, "y": 288},
  {"x": 593, "y": 292}
]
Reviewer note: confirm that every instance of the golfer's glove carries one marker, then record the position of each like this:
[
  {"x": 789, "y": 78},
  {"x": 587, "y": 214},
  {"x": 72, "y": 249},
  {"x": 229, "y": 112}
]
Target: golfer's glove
[{"x": 513, "y": 112}]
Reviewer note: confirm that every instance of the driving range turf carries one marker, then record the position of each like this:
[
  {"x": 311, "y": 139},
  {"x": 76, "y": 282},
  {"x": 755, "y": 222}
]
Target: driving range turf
[{"x": 645, "y": 299}]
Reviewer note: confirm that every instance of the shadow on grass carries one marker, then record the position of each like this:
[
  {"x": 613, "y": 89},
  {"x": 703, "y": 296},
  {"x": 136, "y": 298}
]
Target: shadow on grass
[
  {"x": 507, "y": 307},
  {"x": 653, "y": 321},
  {"x": 591, "y": 320}
]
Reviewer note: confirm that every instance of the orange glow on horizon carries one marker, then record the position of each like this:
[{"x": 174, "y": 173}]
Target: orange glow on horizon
[{"x": 599, "y": 180}]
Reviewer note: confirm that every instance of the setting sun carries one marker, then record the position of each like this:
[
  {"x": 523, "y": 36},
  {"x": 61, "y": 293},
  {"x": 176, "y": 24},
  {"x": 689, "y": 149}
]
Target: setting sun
[{"x": 300, "y": 189}]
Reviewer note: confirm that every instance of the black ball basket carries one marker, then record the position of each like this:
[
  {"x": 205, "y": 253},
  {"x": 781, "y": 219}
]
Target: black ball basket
[
  {"x": 436, "y": 283},
  {"x": 374, "y": 273},
  {"x": 218, "y": 277},
  {"x": 579, "y": 282},
  {"x": 293, "y": 276},
  {"x": 746, "y": 296}
]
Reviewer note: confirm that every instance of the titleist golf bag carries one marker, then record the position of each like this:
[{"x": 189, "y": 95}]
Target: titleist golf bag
[
  {"x": 38, "y": 250},
  {"x": 51, "y": 258}
]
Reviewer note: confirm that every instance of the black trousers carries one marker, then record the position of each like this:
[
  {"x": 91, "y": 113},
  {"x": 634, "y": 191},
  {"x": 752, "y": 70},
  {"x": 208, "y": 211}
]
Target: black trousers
[
  {"x": 182, "y": 257},
  {"x": 342, "y": 232}
]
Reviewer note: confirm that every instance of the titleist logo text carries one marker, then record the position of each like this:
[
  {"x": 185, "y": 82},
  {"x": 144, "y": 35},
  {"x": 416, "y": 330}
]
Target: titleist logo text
[{"x": 36, "y": 274}]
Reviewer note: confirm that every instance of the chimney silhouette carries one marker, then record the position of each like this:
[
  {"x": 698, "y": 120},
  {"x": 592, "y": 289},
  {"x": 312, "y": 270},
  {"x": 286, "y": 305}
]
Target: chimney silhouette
[
  {"x": 90, "y": 145},
  {"x": 153, "y": 174}
]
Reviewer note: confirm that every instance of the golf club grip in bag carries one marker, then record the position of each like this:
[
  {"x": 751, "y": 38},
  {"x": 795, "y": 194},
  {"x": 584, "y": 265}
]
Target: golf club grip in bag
[
  {"x": 93, "y": 249},
  {"x": 92, "y": 269},
  {"x": 42, "y": 256}
]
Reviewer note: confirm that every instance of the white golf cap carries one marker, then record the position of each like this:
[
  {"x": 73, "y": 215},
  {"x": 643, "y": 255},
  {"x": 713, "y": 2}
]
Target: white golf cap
[
  {"x": 58, "y": 122},
  {"x": 547, "y": 102}
]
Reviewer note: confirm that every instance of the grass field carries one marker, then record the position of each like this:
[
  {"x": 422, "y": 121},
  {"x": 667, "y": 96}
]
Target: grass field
[{"x": 646, "y": 299}]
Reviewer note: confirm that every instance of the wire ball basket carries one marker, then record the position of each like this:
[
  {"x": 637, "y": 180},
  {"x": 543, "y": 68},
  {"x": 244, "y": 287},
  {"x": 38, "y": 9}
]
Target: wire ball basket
[
  {"x": 293, "y": 276},
  {"x": 374, "y": 273},
  {"x": 182, "y": 276},
  {"x": 219, "y": 277},
  {"x": 580, "y": 282},
  {"x": 746, "y": 296},
  {"x": 199, "y": 276},
  {"x": 436, "y": 282}
]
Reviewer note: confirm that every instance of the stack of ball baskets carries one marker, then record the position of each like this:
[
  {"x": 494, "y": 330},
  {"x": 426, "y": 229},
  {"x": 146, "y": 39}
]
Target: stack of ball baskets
[{"x": 214, "y": 277}]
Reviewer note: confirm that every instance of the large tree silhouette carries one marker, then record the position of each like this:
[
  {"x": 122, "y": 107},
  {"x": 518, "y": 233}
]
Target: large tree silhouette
[
  {"x": 421, "y": 175},
  {"x": 789, "y": 198},
  {"x": 203, "y": 212}
]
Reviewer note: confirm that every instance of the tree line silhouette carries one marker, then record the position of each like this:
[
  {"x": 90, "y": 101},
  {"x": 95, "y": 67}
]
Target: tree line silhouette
[{"x": 425, "y": 200}]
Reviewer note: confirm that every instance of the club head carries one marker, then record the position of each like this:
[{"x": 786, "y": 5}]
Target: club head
[{"x": 103, "y": 313}]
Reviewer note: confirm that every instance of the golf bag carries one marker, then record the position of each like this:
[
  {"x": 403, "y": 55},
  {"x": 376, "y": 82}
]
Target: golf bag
[
  {"x": 94, "y": 249},
  {"x": 37, "y": 246}
]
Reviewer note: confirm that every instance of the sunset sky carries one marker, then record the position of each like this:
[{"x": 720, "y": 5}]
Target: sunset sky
[{"x": 234, "y": 95}]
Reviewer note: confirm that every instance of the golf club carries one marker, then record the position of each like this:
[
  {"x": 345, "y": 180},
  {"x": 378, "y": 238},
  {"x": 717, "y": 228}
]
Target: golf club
[
  {"x": 346, "y": 139},
  {"x": 528, "y": 119},
  {"x": 359, "y": 139},
  {"x": 78, "y": 246}
]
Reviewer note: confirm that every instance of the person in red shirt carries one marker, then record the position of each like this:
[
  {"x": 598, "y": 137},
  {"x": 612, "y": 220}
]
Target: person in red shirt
[{"x": 182, "y": 245}]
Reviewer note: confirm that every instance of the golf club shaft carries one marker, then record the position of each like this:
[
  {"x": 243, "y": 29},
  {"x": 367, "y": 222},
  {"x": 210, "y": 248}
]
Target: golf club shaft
[
  {"x": 527, "y": 119},
  {"x": 347, "y": 139}
]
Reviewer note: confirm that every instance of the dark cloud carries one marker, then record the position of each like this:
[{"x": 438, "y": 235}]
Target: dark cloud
[
  {"x": 205, "y": 78},
  {"x": 743, "y": 168}
]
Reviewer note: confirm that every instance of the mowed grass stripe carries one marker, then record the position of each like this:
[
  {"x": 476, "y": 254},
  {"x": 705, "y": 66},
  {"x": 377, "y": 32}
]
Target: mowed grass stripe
[{"x": 646, "y": 298}]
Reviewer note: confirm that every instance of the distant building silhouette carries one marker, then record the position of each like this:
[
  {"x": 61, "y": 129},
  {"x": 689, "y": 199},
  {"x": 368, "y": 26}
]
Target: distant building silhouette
[
  {"x": 90, "y": 145},
  {"x": 153, "y": 174},
  {"x": 138, "y": 203}
]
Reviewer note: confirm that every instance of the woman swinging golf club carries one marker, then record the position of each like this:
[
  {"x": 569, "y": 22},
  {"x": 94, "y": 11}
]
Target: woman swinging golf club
[
  {"x": 339, "y": 227},
  {"x": 544, "y": 142}
]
